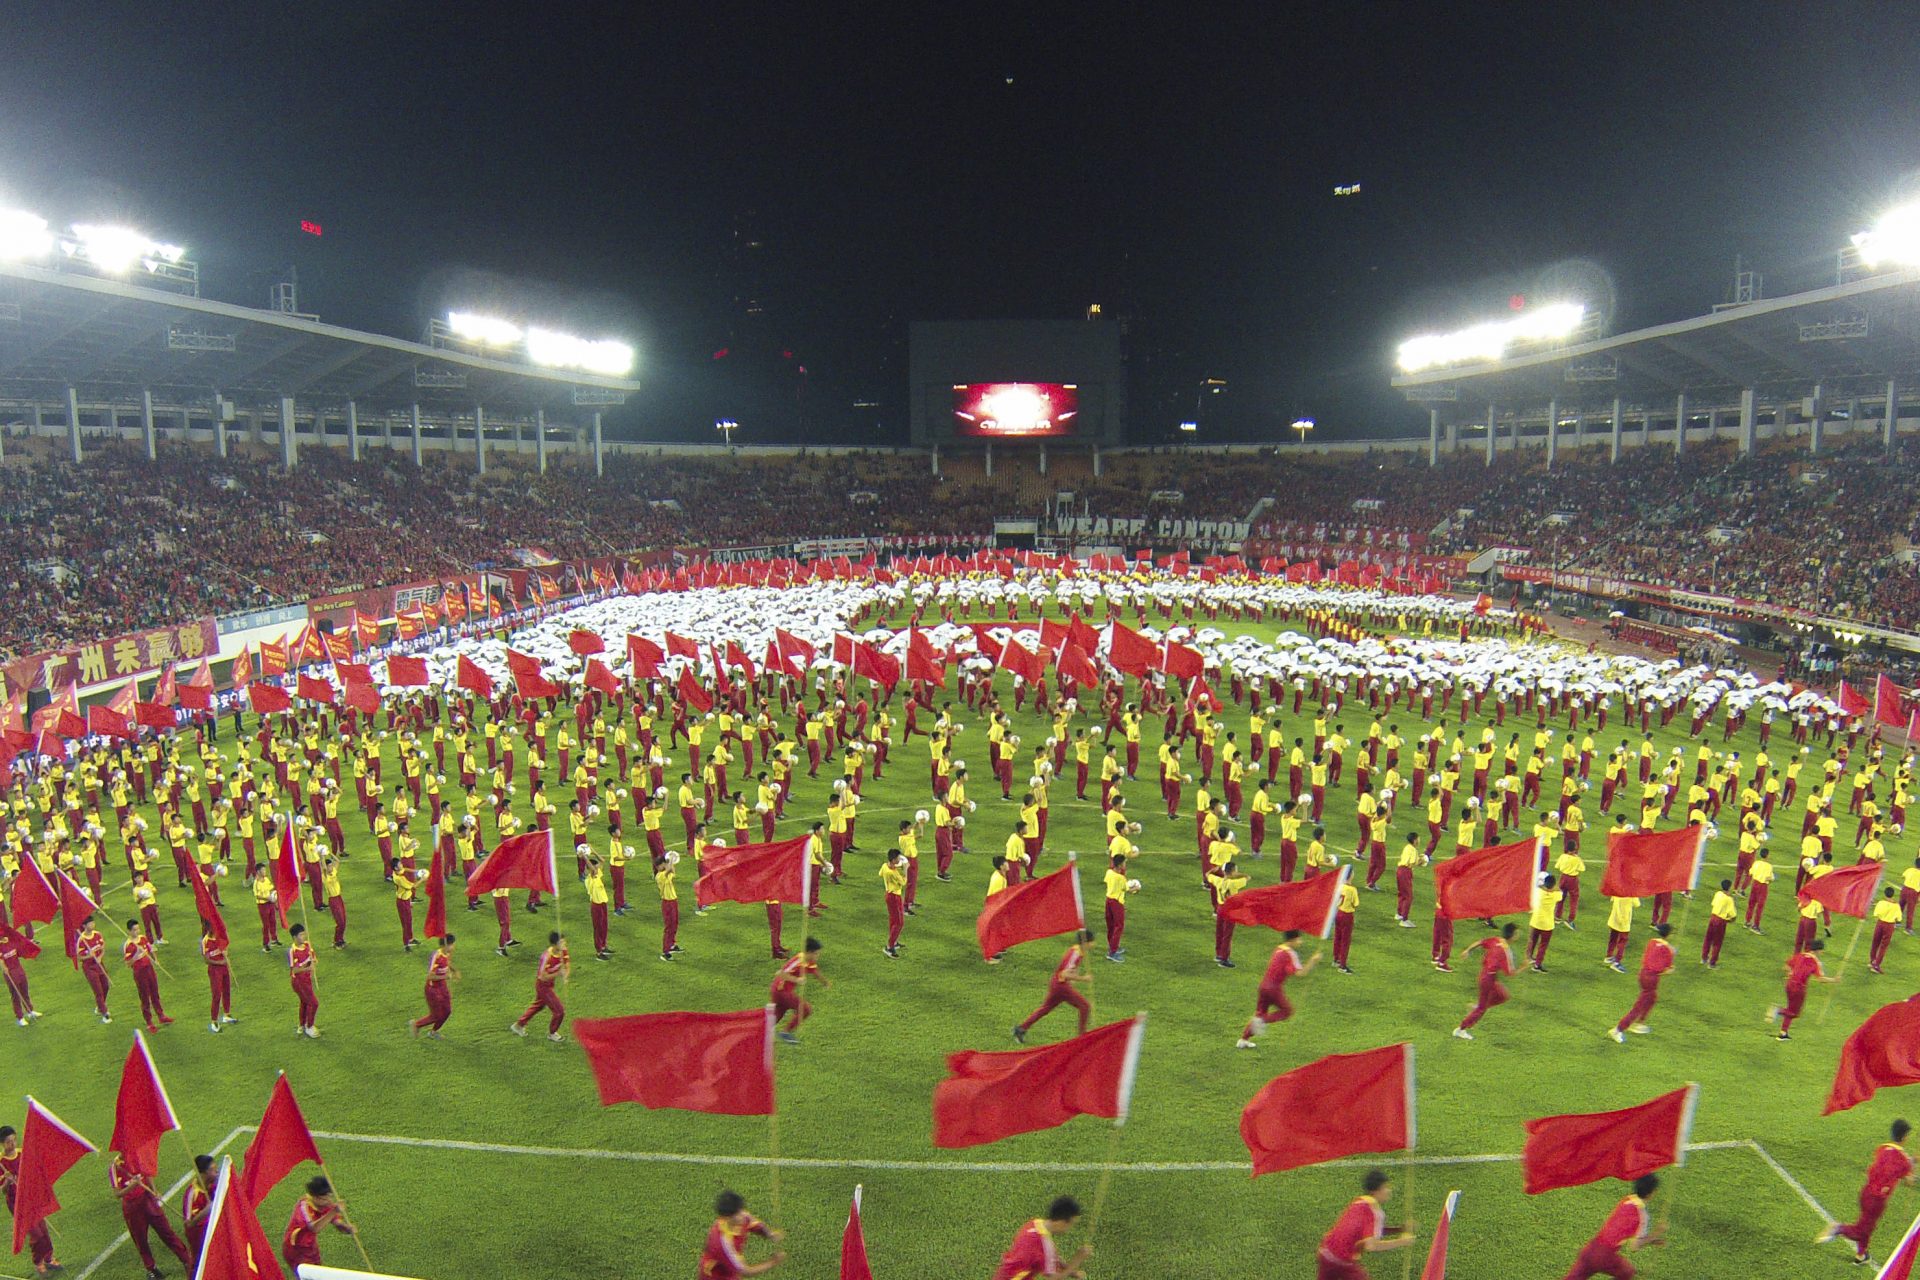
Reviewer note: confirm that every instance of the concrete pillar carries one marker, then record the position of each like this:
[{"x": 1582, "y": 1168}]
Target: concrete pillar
[
  {"x": 1553, "y": 432},
  {"x": 1747, "y": 416},
  {"x": 219, "y": 424},
  {"x": 479, "y": 440},
  {"x": 1817, "y": 427},
  {"x": 516, "y": 435},
  {"x": 1493, "y": 430},
  {"x": 73, "y": 423},
  {"x": 1453, "y": 437},
  {"x": 599, "y": 449},
  {"x": 1433, "y": 437},
  {"x": 1853, "y": 414},
  {"x": 989, "y": 460},
  {"x": 1579, "y": 431},
  {"x": 416, "y": 435},
  {"x": 540, "y": 439},
  {"x": 1680, "y": 424},
  {"x": 1096, "y": 462},
  {"x": 386, "y": 429},
  {"x": 353, "y": 431},
  {"x": 289, "y": 447},
  {"x": 254, "y": 429},
  {"x": 1043, "y": 459},
  {"x": 1890, "y": 425},
  {"x": 146, "y": 424}
]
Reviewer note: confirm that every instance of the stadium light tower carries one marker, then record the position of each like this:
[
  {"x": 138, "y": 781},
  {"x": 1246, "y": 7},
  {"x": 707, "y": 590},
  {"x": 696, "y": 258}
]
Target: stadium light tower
[
  {"x": 1484, "y": 343},
  {"x": 726, "y": 427},
  {"x": 1301, "y": 428},
  {"x": 1894, "y": 240}
]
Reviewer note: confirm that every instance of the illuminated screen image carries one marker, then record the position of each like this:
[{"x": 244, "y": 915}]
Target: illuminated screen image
[{"x": 1015, "y": 410}]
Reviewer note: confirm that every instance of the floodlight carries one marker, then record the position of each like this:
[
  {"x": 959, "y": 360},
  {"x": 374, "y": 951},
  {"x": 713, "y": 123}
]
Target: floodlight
[
  {"x": 1189, "y": 426},
  {"x": 1894, "y": 239},
  {"x": 118, "y": 249},
  {"x": 564, "y": 351},
  {"x": 23, "y": 235},
  {"x": 1487, "y": 342},
  {"x": 487, "y": 329}
]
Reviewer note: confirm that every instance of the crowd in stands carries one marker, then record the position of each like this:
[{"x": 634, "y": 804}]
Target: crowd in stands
[{"x": 117, "y": 543}]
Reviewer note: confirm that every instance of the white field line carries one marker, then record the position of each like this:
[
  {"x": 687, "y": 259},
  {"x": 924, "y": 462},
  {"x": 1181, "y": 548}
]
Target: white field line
[
  {"x": 1792, "y": 1181},
  {"x": 172, "y": 1191}
]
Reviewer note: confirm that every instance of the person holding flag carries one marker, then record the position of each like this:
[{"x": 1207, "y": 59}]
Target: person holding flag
[
  {"x": 137, "y": 952},
  {"x": 90, "y": 949},
  {"x": 1035, "y": 1254},
  {"x": 721, "y": 1259},
  {"x": 317, "y": 1208},
  {"x": 143, "y": 1213},
  {"x": 300, "y": 961},
  {"x": 1891, "y": 1167},
  {"x": 39, "y": 1239},
  {"x": 1496, "y": 963},
  {"x": 1627, "y": 1229},
  {"x": 213, "y": 950},
  {"x": 195, "y": 1206},
  {"x": 1070, "y": 973},
  {"x": 1361, "y": 1229},
  {"x": 441, "y": 974},
  {"x": 555, "y": 966}
]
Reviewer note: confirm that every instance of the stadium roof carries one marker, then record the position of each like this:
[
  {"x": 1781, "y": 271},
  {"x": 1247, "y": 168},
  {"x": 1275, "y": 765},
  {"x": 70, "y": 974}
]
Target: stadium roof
[
  {"x": 1849, "y": 339},
  {"x": 111, "y": 340}
]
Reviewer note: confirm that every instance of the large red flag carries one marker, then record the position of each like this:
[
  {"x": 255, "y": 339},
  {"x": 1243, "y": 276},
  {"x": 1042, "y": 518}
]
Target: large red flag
[
  {"x": 792, "y": 646},
  {"x": 209, "y": 911},
  {"x": 692, "y": 694},
  {"x": 1494, "y": 881},
  {"x": 522, "y": 664},
  {"x": 1131, "y": 652},
  {"x": 990, "y": 1096},
  {"x": 720, "y": 1063},
  {"x": 314, "y": 689},
  {"x": 1307, "y": 905},
  {"x": 853, "y": 1246},
  {"x": 281, "y": 1144},
  {"x": 600, "y": 676},
  {"x": 756, "y": 873},
  {"x": 525, "y": 861},
  {"x": 75, "y": 907},
  {"x": 406, "y": 672},
  {"x": 1900, "y": 1263},
  {"x": 286, "y": 869},
  {"x": 469, "y": 675},
  {"x": 142, "y": 1113},
  {"x": 681, "y": 647},
  {"x": 584, "y": 642},
  {"x": 1889, "y": 702},
  {"x": 437, "y": 895},
  {"x": 34, "y": 901},
  {"x": 154, "y": 715},
  {"x": 236, "y": 1246},
  {"x": 644, "y": 652},
  {"x": 108, "y": 723},
  {"x": 268, "y": 699},
  {"x": 1077, "y": 667},
  {"x": 1573, "y": 1150},
  {"x": 1183, "y": 663},
  {"x": 1023, "y": 662},
  {"x": 531, "y": 685},
  {"x": 48, "y": 1148},
  {"x": 362, "y": 697},
  {"x": 1643, "y": 863},
  {"x": 27, "y": 948},
  {"x": 1347, "y": 1104},
  {"x": 1039, "y": 908},
  {"x": 1882, "y": 1052},
  {"x": 1436, "y": 1267},
  {"x": 1849, "y": 891},
  {"x": 1852, "y": 702}
]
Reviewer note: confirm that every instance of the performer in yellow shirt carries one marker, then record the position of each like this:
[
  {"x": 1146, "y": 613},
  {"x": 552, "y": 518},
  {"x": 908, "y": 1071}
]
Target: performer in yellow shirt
[{"x": 1721, "y": 914}]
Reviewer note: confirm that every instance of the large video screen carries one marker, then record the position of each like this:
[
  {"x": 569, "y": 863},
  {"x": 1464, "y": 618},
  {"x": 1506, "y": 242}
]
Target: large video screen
[{"x": 1015, "y": 410}]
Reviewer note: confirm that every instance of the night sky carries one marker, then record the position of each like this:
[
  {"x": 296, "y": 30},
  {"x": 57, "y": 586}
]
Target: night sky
[{"x": 609, "y": 174}]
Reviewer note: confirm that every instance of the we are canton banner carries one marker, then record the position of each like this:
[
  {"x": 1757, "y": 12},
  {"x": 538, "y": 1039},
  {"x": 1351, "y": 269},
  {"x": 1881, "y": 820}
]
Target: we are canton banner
[{"x": 136, "y": 653}]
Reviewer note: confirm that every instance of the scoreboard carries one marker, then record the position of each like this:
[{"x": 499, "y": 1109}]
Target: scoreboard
[{"x": 1014, "y": 381}]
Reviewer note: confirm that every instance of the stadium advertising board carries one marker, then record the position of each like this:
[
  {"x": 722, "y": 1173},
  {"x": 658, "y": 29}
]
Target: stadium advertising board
[{"x": 136, "y": 653}]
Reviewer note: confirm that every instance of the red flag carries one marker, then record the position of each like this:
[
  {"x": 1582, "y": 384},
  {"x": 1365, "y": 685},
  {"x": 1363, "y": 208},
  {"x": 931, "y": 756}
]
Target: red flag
[
  {"x": 406, "y": 672},
  {"x": 203, "y": 902},
  {"x": 720, "y": 1063},
  {"x": 27, "y": 947},
  {"x": 142, "y": 1112},
  {"x": 235, "y": 1246},
  {"x": 737, "y": 657},
  {"x": 195, "y": 697},
  {"x": 531, "y": 684},
  {"x": 362, "y": 697},
  {"x": 1494, "y": 881},
  {"x": 792, "y": 646},
  {"x": 853, "y": 1246},
  {"x": 756, "y": 873},
  {"x": 524, "y": 861},
  {"x": 692, "y": 694},
  {"x": 1076, "y": 667},
  {"x": 1900, "y": 1264},
  {"x": 1643, "y": 863},
  {"x": 1852, "y": 702},
  {"x": 990, "y": 1096},
  {"x": 842, "y": 650},
  {"x": 644, "y": 655},
  {"x": 600, "y": 676},
  {"x": 48, "y": 1148},
  {"x": 437, "y": 895},
  {"x": 108, "y": 723},
  {"x": 1573, "y": 1150},
  {"x": 681, "y": 647},
  {"x": 522, "y": 663},
  {"x": 1849, "y": 891},
  {"x": 1307, "y": 905},
  {"x": 1132, "y": 652},
  {"x": 352, "y": 673},
  {"x": 1183, "y": 663},
  {"x": 155, "y": 715},
  {"x": 469, "y": 676},
  {"x": 286, "y": 868},
  {"x": 273, "y": 657},
  {"x": 584, "y": 642},
  {"x": 1023, "y": 662},
  {"x": 75, "y": 907},
  {"x": 1436, "y": 1268},
  {"x": 281, "y": 1144},
  {"x": 34, "y": 901},
  {"x": 366, "y": 628},
  {"x": 1883, "y": 1051},
  {"x": 1347, "y": 1104},
  {"x": 267, "y": 699},
  {"x": 1038, "y": 908}
]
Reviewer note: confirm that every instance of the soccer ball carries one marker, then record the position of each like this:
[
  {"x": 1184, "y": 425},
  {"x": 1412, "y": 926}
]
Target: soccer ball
[
  {"x": 1133, "y": 886},
  {"x": 1133, "y": 828},
  {"x": 593, "y": 811},
  {"x": 972, "y": 805},
  {"x": 220, "y": 868},
  {"x": 920, "y": 815},
  {"x": 673, "y": 858},
  {"x": 959, "y": 823}
]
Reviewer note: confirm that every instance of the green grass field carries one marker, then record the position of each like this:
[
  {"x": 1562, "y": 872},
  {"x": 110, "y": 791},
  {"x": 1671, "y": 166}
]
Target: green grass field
[{"x": 487, "y": 1155}]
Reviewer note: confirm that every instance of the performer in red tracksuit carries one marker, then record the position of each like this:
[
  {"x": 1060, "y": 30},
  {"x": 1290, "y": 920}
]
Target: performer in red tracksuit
[
  {"x": 1270, "y": 1002},
  {"x": 555, "y": 964},
  {"x": 1070, "y": 973},
  {"x": 300, "y": 959},
  {"x": 1361, "y": 1229},
  {"x": 1654, "y": 961},
  {"x": 439, "y": 991},
  {"x": 142, "y": 1211},
  {"x": 1891, "y": 1166},
  {"x": 1627, "y": 1229},
  {"x": 1495, "y": 963},
  {"x": 316, "y": 1209}
]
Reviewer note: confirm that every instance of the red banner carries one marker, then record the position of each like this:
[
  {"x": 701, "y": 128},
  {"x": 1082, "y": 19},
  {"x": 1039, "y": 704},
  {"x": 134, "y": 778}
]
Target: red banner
[{"x": 134, "y": 654}]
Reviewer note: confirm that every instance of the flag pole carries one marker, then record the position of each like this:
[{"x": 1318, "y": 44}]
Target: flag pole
[
  {"x": 1406, "y": 1263},
  {"x": 341, "y": 1201},
  {"x": 1129, "y": 1072},
  {"x": 1840, "y": 971},
  {"x": 773, "y": 1126}
]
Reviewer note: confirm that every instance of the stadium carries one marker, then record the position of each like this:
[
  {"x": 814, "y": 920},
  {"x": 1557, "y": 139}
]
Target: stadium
[{"x": 548, "y": 795}]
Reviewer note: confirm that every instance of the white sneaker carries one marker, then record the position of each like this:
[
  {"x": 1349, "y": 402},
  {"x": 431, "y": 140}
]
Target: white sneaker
[
  {"x": 1639, "y": 1028},
  {"x": 1461, "y": 1033},
  {"x": 23, "y": 1022},
  {"x": 106, "y": 1017},
  {"x": 1244, "y": 1043},
  {"x": 214, "y": 1027},
  {"x": 1613, "y": 1033},
  {"x": 311, "y": 1033},
  {"x": 556, "y": 1037},
  {"x": 517, "y": 1029}
]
